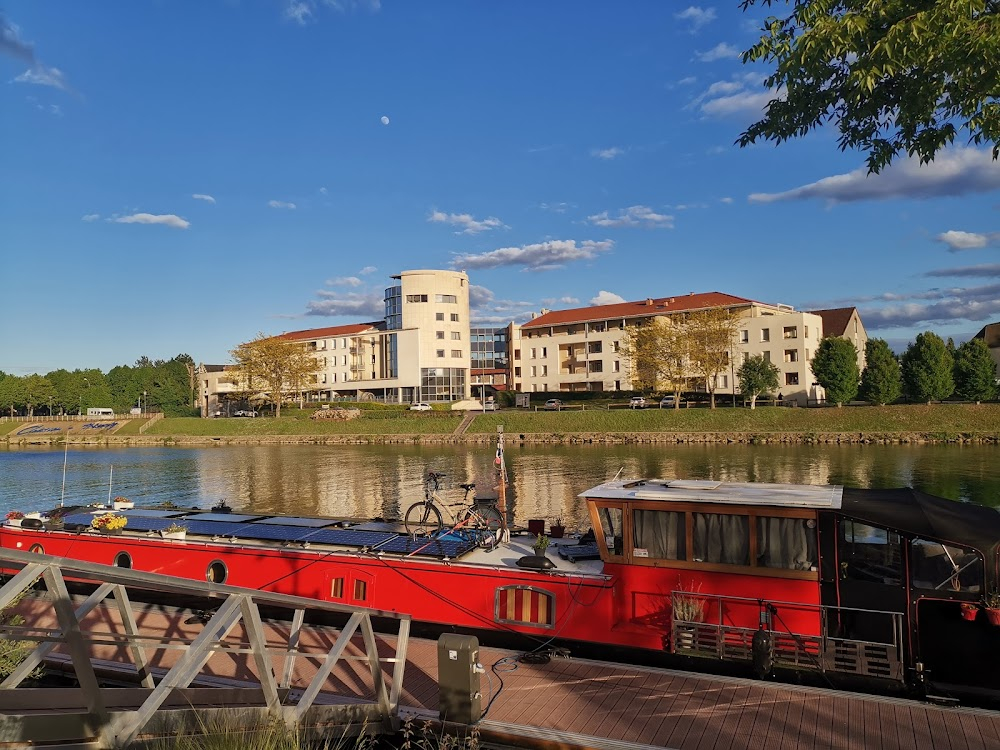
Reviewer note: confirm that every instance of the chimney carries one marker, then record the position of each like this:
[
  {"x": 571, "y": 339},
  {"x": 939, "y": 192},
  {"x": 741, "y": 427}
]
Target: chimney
[
  {"x": 649, "y": 301},
  {"x": 545, "y": 311}
]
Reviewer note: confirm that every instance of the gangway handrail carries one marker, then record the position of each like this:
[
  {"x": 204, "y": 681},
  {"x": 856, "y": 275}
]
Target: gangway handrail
[{"x": 238, "y": 607}]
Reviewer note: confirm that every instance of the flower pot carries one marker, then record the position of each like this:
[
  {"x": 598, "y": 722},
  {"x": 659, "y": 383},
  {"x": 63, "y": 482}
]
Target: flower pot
[
  {"x": 181, "y": 535},
  {"x": 557, "y": 532},
  {"x": 969, "y": 612},
  {"x": 123, "y": 505},
  {"x": 109, "y": 532},
  {"x": 993, "y": 615},
  {"x": 539, "y": 551},
  {"x": 685, "y": 638},
  {"x": 13, "y": 521},
  {"x": 536, "y": 526}
]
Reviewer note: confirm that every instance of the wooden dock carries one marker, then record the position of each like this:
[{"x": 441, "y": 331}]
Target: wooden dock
[{"x": 575, "y": 703}]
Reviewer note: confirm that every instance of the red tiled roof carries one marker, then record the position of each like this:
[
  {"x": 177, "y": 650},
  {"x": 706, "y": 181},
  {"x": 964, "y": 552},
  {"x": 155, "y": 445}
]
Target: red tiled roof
[
  {"x": 325, "y": 333},
  {"x": 659, "y": 306},
  {"x": 835, "y": 321},
  {"x": 990, "y": 333}
]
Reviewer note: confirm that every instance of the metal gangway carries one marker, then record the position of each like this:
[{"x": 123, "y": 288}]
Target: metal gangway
[{"x": 185, "y": 670}]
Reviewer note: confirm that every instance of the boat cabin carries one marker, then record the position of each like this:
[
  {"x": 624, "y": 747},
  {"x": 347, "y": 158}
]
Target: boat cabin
[{"x": 879, "y": 583}]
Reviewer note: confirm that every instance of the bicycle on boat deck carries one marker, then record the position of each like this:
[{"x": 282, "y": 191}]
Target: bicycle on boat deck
[{"x": 478, "y": 523}]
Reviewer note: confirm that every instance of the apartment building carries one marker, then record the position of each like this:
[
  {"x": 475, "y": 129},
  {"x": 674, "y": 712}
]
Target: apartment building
[
  {"x": 420, "y": 351},
  {"x": 845, "y": 322},
  {"x": 580, "y": 349}
]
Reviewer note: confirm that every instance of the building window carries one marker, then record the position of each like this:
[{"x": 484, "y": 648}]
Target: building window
[
  {"x": 616, "y": 346},
  {"x": 545, "y": 352},
  {"x": 416, "y": 297},
  {"x": 596, "y": 366},
  {"x": 456, "y": 353},
  {"x": 439, "y": 316},
  {"x": 746, "y": 356},
  {"x": 534, "y": 371},
  {"x": 594, "y": 347},
  {"x": 616, "y": 366},
  {"x": 439, "y": 334},
  {"x": 456, "y": 335},
  {"x": 534, "y": 353},
  {"x": 791, "y": 355},
  {"x": 767, "y": 356},
  {"x": 805, "y": 332},
  {"x": 791, "y": 378},
  {"x": 721, "y": 381},
  {"x": 449, "y": 298},
  {"x": 440, "y": 352},
  {"x": 744, "y": 337},
  {"x": 790, "y": 332},
  {"x": 545, "y": 370},
  {"x": 454, "y": 317},
  {"x": 765, "y": 334}
]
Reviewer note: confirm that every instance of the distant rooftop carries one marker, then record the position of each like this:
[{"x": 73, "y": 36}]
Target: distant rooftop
[
  {"x": 331, "y": 332},
  {"x": 835, "y": 320}
]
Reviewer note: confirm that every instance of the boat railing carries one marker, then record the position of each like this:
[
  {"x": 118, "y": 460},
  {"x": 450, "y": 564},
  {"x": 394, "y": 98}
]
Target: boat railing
[{"x": 804, "y": 636}]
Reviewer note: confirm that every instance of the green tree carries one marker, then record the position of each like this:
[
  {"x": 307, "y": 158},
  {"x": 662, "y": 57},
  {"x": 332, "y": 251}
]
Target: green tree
[
  {"x": 281, "y": 366},
  {"x": 39, "y": 393},
  {"x": 835, "y": 366},
  {"x": 757, "y": 375},
  {"x": 975, "y": 371},
  {"x": 894, "y": 76},
  {"x": 927, "y": 369},
  {"x": 639, "y": 347},
  {"x": 656, "y": 353},
  {"x": 710, "y": 336},
  {"x": 881, "y": 382},
  {"x": 13, "y": 394}
]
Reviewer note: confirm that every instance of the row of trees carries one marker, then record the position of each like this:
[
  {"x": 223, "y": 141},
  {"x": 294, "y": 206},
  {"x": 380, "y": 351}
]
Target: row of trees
[
  {"x": 272, "y": 366},
  {"x": 929, "y": 370},
  {"x": 154, "y": 385}
]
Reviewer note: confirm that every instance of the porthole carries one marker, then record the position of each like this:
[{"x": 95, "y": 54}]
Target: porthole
[
  {"x": 123, "y": 560},
  {"x": 36, "y": 549},
  {"x": 216, "y": 572}
]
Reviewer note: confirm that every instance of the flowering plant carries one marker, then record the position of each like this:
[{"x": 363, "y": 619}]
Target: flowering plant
[
  {"x": 689, "y": 605},
  {"x": 121, "y": 499},
  {"x": 108, "y": 522},
  {"x": 174, "y": 528},
  {"x": 13, "y": 515}
]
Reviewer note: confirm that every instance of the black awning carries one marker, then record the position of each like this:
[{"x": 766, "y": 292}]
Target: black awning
[{"x": 916, "y": 513}]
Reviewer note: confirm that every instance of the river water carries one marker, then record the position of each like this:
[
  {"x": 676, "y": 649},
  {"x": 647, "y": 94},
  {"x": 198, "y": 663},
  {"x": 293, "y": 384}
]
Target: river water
[{"x": 368, "y": 481}]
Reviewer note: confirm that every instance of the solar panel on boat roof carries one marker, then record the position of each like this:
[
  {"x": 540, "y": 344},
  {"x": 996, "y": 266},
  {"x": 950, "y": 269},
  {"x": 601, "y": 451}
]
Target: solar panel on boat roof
[
  {"x": 427, "y": 547},
  {"x": 226, "y": 517},
  {"x": 150, "y": 513},
  {"x": 143, "y": 523},
  {"x": 79, "y": 518},
  {"x": 349, "y": 537},
  {"x": 273, "y": 532},
  {"x": 213, "y": 528},
  {"x": 296, "y": 521}
]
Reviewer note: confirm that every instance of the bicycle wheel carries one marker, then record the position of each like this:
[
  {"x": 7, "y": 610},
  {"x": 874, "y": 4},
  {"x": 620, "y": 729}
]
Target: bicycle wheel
[
  {"x": 491, "y": 516},
  {"x": 477, "y": 527},
  {"x": 486, "y": 539},
  {"x": 422, "y": 519}
]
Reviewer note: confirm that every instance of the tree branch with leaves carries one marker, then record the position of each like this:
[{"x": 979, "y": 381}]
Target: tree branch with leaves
[{"x": 280, "y": 366}]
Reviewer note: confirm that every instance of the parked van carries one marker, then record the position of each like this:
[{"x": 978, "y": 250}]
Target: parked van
[{"x": 101, "y": 412}]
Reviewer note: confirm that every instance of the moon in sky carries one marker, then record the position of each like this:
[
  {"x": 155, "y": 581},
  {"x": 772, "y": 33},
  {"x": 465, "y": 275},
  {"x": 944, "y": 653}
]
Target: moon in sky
[{"x": 385, "y": 120}]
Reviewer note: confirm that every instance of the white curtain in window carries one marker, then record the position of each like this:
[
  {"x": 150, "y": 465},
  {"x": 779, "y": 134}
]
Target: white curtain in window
[
  {"x": 660, "y": 533},
  {"x": 722, "y": 538},
  {"x": 784, "y": 543}
]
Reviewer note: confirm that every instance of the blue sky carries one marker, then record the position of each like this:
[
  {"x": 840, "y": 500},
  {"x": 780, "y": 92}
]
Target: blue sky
[{"x": 178, "y": 176}]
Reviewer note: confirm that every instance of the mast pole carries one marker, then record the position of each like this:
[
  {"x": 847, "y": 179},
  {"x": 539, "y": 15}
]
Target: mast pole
[{"x": 502, "y": 494}]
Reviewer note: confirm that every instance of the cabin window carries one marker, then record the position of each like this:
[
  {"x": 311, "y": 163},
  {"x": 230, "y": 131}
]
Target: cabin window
[
  {"x": 216, "y": 572},
  {"x": 788, "y": 543},
  {"x": 123, "y": 560},
  {"x": 337, "y": 588},
  {"x": 658, "y": 534},
  {"x": 360, "y": 591},
  {"x": 721, "y": 538},
  {"x": 525, "y": 605},
  {"x": 869, "y": 553},
  {"x": 611, "y": 527},
  {"x": 36, "y": 549},
  {"x": 943, "y": 567}
]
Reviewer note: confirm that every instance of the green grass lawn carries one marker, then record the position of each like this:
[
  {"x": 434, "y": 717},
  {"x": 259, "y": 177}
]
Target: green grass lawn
[
  {"x": 939, "y": 419},
  {"x": 402, "y": 423}
]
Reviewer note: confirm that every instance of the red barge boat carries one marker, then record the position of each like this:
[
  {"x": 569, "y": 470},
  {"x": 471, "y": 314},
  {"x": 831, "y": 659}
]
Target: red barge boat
[{"x": 893, "y": 586}]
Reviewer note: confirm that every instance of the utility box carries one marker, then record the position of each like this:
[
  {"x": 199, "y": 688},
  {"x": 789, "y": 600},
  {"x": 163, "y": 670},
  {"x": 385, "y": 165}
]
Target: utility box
[{"x": 459, "y": 670}]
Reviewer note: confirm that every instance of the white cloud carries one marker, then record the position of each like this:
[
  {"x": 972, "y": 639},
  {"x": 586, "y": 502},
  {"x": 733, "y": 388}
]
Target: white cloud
[
  {"x": 726, "y": 199},
  {"x": 384, "y": 120},
  {"x": 957, "y": 240},
  {"x": 687, "y": 81},
  {"x": 298, "y": 11},
  {"x": 169, "y": 220},
  {"x": 606, "y": 298},
  {"x": 607, "y": 153},
  {"x": 203, "y": 197},
  {"x": 542, "y": 256},
  {"x": 282, "y": 204},
  {"x": 984, "y": 270},
  {"x": 344, "y": 281},
  {"x": 559, "y": 208},
  {"x": 720, "y": 51},
  {"x": 956, "y": 171},
  {"x": 742, "y": 96},
  {"x": 367, "y": 270},
  {"x": 359, "y": 305},
  {"x": 468, "y": 224},
  {"x": 323, "y": 191},
  {"x": 41, "y": 75},
  {"x": 634, "y": 216},
  {"x": 90, "y": 217},
  {"x": 11, "y": 43},
  {"x": 698, "y": 17}
]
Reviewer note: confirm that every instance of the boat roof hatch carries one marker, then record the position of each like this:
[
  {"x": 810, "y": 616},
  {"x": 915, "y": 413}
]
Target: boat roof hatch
[{"x": 825, "y": 497}]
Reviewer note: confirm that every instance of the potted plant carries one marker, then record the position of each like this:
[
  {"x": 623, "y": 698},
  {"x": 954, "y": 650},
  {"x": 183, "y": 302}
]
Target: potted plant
[
  {"x": 174, "y": 531},
  {"x": 969, "y": 611},
  {"x": 688, "y": 607},
  {"x": 108, "y": 523},
  {"x": 991, "y": 605},
  {"x": 540, "y": 544},
  {"x": 557, "y": 530},
  {"x": 122, "y": 503},
  {"x": 14, "y": 517},
  {"x": 55, "y": 519}
]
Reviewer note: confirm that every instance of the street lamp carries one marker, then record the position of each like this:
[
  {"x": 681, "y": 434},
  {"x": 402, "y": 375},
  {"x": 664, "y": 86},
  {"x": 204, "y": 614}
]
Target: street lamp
[{"x": 145, "y": 401}]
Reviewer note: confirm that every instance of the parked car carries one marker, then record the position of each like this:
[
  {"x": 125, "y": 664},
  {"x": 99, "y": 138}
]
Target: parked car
[
  {"x": 491, "y": 406},
  {"x": 244, "y": 413},
  {"x": 668, "y": 402},
  {"x": 421, "y": 406},
  {"x": 553, "y": 404},
  {"x": 637, "y": 402}
]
